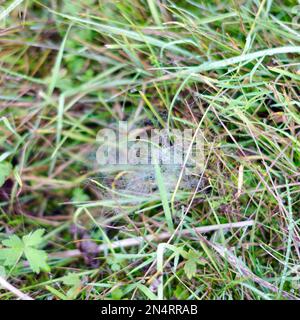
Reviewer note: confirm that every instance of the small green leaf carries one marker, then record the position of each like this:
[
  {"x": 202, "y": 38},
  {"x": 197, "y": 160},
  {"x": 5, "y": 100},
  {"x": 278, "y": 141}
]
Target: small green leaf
[
  {"x": 14, "y": 242},
  {"x": 5, "y": 170},
  {"x": 79, "y": 195},
  {"x": 13, "y": 253},
  {"x": 115, "y": 267},
  {"x": 2, "y": 272},
  {"x": 35, "y": 238},
  {"x": 115, "y": 263},
  {"x": 16, "y": 248},
  {"x": 190, "y": 269},
  {"x": 193, "y": 258},
  {"x": 117, "y": 294},
  {"x": 37, "y": 259},
  {"x": 73, "y": 280},
  {"x": 181, "y": 293},
  {"x": 10, "y": 256}
]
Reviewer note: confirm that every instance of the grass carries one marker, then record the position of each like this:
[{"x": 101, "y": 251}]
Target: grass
[{"x": 229, "y": 69}]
